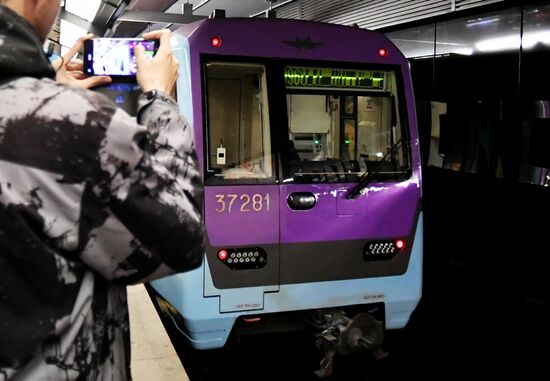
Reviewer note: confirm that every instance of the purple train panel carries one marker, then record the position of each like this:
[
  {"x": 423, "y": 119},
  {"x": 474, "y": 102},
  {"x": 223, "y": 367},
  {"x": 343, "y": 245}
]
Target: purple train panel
[{"x": 287, "y": 126}]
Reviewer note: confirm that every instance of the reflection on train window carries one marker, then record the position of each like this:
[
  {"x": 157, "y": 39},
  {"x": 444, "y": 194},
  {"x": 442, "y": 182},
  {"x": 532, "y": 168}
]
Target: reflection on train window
[
  {"x": 239, "y": 141},
  {"x": 339, "y": 130},
  {"x": 349, "y": 105}
]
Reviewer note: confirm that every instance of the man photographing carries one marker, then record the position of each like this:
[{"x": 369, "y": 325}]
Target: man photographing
[{"x": 91, "y": 200}]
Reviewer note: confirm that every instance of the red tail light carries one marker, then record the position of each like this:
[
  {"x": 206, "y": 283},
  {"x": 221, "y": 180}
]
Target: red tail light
[
  {"x": 383, "y": 52},
  {"x": 216, "y": 42}
]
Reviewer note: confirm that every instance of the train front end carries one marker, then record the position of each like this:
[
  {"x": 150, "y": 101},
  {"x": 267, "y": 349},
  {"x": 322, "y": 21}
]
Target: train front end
[{"x": 308, "y": 144}]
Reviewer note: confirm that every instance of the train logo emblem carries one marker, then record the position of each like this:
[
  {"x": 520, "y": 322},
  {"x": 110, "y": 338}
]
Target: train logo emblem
[{"x": 306, "y": 44}]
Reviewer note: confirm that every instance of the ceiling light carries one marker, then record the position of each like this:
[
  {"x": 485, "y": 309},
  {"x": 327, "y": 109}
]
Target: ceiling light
[
  {"x": 84, "y": 9},
  {"x": 463, "y": 51},
  {"x": 512, "y": 42},
  {"x": 498, "y": 44},
  {"x": 533, "y": 38}
]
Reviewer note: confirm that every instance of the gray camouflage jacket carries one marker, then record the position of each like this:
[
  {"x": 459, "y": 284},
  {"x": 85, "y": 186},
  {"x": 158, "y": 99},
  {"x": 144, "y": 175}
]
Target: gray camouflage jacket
[{"x": 91, "y": 200}]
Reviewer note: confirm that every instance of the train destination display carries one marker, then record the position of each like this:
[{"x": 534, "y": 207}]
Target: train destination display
[{"x": 313, "y": 77}]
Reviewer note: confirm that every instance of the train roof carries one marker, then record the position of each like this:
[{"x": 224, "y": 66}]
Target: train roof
[{"x": 292, "y": 39}]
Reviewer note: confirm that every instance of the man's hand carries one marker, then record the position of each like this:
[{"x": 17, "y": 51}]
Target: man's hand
[
  {"x": 71, "y": 72},
  {"x": 161, "y": 72}
]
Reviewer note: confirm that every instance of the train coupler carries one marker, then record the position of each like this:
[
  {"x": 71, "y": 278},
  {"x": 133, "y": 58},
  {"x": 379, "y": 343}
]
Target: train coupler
[{"x": 344, "y": 336}]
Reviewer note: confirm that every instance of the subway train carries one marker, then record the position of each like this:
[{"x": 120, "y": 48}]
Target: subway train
[{"x": 308, "y": 146}]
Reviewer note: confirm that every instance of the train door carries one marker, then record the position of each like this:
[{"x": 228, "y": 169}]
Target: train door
[
  {"x": 241, "y": 193},
  {"x": 341, "y": 125}
]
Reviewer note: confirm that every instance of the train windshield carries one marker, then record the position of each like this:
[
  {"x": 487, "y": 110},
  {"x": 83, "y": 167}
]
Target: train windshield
[
  {"x": 343, "y": 123},
  {"x": 340, "y": 124}
]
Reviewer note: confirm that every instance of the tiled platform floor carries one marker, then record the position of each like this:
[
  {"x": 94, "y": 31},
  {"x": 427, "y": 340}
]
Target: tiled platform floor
[{"x": 153, "y": 356}]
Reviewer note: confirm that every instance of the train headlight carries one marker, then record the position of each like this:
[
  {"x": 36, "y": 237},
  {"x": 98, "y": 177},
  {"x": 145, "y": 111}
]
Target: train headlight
[
  {"x": 383, "y": 249},
  {"x": 243, "y": 258}
]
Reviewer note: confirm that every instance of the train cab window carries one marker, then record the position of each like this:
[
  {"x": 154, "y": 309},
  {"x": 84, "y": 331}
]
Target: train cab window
[
  {"x": 341, "y": 124},
  {"x": 238, "y": 132}
]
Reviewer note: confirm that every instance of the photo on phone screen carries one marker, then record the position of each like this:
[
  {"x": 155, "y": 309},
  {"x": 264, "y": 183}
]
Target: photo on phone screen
[{"x": 114, "y": 56}]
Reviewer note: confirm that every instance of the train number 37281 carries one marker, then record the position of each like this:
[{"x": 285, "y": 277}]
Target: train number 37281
[{"x": 244, "y": 203}]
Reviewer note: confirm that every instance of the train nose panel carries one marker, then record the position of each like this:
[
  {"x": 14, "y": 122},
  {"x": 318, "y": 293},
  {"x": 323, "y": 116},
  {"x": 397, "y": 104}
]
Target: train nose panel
[
  {"x": 243, "y": 245},
  {"x": 350, "y": 207}
]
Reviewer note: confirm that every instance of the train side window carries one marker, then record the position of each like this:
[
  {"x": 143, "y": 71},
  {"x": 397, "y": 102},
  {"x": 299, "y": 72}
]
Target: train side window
[{"x": 238, "y": 132}]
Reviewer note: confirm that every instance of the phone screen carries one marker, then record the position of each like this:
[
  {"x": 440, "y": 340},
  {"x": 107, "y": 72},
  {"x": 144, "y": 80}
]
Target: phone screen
[{"x": 114, "y": 56}]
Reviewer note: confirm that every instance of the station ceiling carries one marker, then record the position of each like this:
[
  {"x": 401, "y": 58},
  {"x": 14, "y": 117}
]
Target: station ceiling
[{"x": 129, "y": 18}]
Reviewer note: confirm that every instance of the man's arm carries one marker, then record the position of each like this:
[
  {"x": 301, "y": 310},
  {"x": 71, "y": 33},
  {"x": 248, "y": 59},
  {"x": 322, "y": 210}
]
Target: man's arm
[
  {"x": 148, "y": 177},
  {"x": 141, "y": 214}
]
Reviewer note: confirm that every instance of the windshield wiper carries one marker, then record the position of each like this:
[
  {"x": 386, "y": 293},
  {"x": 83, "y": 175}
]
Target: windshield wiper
[{"x": 369, "y": 175}]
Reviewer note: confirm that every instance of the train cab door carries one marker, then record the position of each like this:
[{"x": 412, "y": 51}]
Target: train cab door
[
  {"x": 317, "y": 221},
  {"x": 241, "y": 191},
  {"x": 338, "y": 126}
]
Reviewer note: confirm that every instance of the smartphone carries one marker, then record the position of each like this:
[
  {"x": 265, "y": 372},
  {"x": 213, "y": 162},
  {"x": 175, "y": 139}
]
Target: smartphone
[{"x": 114, "y": 56}]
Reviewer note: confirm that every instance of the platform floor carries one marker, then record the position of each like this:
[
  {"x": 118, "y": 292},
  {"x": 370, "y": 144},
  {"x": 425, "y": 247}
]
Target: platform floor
[{"x": 153, "y": 356}]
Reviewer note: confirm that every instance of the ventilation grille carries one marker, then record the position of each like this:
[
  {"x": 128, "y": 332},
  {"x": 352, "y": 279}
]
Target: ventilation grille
[
  {"x": 465, "y": 4},
  {"x": 289, "y": 11}
]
